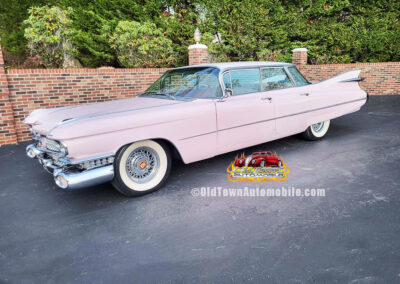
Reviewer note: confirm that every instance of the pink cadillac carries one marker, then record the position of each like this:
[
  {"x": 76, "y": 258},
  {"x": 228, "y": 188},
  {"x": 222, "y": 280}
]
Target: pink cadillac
[{"x": 191, "y": 113}]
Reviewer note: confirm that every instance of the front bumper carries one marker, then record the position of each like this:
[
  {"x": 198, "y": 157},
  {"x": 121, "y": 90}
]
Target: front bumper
[{"x": 66, "y": 176}]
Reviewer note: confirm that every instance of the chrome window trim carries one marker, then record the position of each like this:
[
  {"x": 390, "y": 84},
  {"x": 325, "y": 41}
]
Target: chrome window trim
[{"x": 230, "y": 81}]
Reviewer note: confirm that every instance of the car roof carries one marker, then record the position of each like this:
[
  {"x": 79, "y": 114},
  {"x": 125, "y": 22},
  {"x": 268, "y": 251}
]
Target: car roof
[{"x": 241, "y": 64}]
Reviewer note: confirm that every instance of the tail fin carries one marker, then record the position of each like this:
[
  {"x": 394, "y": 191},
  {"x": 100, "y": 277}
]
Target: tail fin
[{"x": 349, "y": 76}]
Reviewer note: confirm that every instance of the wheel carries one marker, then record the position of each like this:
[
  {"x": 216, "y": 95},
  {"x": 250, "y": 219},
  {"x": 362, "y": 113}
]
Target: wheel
[
  {"x": 262, "y": 164},
  {"x": 317, "y": 130},
  {"x": 141, "y": 167}
]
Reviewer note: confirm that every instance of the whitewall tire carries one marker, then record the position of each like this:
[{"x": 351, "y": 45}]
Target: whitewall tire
[
  {"x": 141, "y": 167},
  {"x": 317, "y": 130}
]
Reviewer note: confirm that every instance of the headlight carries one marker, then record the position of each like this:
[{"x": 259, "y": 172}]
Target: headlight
[
  {"x": 56, "y": 146},
  {"x": 248, "y": 159}
]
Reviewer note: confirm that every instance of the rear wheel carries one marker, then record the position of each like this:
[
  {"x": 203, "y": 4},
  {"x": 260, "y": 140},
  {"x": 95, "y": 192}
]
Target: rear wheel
[
  {"x": 141, "y": 167},
  {"x": 317, "y": 130}
]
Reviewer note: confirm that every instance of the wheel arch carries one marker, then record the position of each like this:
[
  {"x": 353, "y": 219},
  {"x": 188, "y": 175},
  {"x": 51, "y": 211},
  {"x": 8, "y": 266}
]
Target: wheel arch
[{"x": 175, "y": 154}]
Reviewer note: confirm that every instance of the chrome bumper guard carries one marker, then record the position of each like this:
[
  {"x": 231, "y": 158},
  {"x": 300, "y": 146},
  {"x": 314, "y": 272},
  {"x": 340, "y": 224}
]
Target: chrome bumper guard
[{"x": 71, "y": 180}]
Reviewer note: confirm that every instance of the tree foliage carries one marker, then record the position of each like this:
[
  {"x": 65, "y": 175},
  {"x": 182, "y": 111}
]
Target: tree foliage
[
  {"x": 12, "y": 15},
  {"x": 141, "y": 45},
  {"x": 93, "y": 18},
  {"x": 48, "y": 33},
  {"x": 332, "y": 30}
]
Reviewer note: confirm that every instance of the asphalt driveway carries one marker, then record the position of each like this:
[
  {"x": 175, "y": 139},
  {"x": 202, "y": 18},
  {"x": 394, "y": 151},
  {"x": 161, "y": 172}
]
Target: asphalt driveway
[{"x": 97, "y": 235}]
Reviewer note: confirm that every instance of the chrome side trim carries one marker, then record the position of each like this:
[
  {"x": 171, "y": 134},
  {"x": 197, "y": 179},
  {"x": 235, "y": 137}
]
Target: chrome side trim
[
  {"x": 261, "y": 121},
  {"x": 337, "y": 75},
  {"x": 356, "y": 79},
  {"x": 198, "y": 135}
]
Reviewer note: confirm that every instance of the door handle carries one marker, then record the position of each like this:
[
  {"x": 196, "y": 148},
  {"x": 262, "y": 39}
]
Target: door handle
[
  {"x": 305, "y": 94},
  {"x": 267, "y": 99}
]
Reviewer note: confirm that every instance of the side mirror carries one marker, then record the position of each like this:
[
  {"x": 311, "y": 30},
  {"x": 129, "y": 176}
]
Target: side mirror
[{"x": 227, "y": 93}]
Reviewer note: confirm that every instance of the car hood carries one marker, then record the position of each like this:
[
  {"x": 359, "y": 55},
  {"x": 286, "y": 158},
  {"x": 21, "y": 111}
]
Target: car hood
[{"x": 44, "y": 120}]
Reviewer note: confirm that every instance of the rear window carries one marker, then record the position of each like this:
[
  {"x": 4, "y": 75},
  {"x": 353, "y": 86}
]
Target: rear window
[{"x": 275, "y": 78}]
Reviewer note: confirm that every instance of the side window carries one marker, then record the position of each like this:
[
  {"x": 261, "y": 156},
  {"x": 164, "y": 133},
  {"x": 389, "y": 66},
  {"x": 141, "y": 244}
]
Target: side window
[
  {"x": 245, "y": 81},
  {"x": 297, "y": 76},
  {"x": 274, "y": 78}
]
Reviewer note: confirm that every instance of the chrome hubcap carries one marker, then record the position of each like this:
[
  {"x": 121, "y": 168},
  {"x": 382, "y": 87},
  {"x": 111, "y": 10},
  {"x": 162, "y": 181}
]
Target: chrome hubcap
[
  {"x": 317, "y": 127},
  {"x": 142, "y": 164}
]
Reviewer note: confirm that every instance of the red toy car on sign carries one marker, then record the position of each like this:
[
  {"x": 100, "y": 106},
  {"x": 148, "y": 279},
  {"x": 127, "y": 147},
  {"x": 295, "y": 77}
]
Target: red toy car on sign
[{"x": 259, "y": 159}]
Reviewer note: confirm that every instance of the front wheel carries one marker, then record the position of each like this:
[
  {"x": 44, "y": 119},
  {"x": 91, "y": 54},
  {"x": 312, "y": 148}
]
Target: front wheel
[
  {"x": 141, "y": 167},
  {"x": 317, "y": 130}
]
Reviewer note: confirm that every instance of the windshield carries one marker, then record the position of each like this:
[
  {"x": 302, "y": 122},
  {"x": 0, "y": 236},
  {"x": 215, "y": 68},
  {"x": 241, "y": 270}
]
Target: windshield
[{"x": 187, "y": 83}]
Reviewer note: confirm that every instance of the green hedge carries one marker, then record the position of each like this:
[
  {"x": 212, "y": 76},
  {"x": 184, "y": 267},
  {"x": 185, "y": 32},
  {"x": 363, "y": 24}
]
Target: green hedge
[{"x": 336, "y": 31}]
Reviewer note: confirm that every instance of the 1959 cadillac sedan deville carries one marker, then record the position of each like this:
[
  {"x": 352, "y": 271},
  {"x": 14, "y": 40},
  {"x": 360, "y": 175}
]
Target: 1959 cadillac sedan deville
[{"x": 192, "y": 113}]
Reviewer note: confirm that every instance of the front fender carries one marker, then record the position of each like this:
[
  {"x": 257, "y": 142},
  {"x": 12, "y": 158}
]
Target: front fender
[{"x": 190, "y": 127}]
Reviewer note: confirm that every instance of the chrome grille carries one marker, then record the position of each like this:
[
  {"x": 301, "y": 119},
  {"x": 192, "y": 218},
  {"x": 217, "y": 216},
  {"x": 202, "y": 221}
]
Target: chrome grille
[
  {"x": 58, "y": 163},
  {"x": 52, "y": 145},
  {"x": 97, "y": 163}
]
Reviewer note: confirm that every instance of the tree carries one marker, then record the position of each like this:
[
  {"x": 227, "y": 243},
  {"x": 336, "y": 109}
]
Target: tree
[
  {"x": 92, "y": 20},
  {"x": 247, "y": 28},
  {"x": 49, "y": 34},
  {"x": 12, "y": 15},
  {"x": 141, "y": 45},
  {"x": 333, "y": 30}
]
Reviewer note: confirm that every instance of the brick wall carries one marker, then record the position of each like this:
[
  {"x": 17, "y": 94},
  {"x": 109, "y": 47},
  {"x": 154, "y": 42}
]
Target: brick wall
[
  {"x": 380, "y": 78},
  {"x": 31, "y": 89},
  {"x": 7, "y": 129}
]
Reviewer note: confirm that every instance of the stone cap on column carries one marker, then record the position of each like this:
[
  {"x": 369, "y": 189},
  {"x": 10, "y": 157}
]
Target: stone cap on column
[
  {"x": 300, "y": 49},
  {"x": 198, "y": 46}
]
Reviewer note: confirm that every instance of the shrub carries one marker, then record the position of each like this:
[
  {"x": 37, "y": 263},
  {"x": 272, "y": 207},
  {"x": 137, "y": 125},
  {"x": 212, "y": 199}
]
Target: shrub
[
  {"x": 48, "y": 33},
  {"x": 141, "y": 45}
]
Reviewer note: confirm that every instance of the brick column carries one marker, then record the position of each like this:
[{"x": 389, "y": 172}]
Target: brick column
[
  {"x": 198, "y": 54},
  {"x": 7, "y": 127},
  {"x": 299, "y": 56}
]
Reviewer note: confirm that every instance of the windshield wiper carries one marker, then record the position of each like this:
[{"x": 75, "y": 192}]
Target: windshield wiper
[{"x": 160, "y": 94}]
